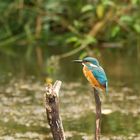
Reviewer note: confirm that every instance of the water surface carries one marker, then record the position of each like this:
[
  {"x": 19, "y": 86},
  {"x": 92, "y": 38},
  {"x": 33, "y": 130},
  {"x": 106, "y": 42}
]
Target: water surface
[{"x": 22, "y": 114}]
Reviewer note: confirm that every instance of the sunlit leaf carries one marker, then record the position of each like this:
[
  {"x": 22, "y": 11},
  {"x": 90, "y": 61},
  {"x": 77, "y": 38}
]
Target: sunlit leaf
[
  {"x": 77, "y": 23},
  {"x": 100, "y": 11},
  {"x": 90, "y": 39},
  {"x": 135, "y": 1},
  {"x": 86, "y": 8},
  {"x": 126, "y": 18},
  {"x": 115, "y": 31},
  {"x": 72, "y": 39},
  {"x": 137, "y": 27},
  {"x": 107, "y": 2}
]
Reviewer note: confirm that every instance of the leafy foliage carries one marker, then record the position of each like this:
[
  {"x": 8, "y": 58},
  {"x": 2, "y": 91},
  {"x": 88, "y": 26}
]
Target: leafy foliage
[{"x": 66, "y": 27}]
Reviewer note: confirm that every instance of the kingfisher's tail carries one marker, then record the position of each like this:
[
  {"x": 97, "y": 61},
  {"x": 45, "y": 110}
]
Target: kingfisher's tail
[{"x": 106, "y": 89}]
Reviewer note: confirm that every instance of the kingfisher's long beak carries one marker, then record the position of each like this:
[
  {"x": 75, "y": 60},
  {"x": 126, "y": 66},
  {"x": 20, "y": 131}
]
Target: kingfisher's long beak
[{"x": 78, "y": 61}]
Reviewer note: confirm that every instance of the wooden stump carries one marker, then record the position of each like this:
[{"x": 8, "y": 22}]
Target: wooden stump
[{"x": 52, "y": 110}]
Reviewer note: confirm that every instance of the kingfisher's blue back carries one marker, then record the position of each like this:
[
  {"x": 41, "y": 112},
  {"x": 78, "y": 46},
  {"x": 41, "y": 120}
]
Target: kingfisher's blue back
[{"x": 97, "y": 71}]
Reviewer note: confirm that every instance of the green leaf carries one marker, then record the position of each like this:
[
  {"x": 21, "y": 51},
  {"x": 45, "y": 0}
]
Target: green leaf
[
  {"x": 77, "y": 23},
  {"x": 10, "y": 40},
  {"x": 126, "y": 18},
  {"x": 115, "y": 31},
  {"x": 72, "y": 39},
  {"x": 137, "y": 27},
  {"x": 134, "y": 1},
  {"x": 87, "y": 8},
  {"x": 108, "y": 2},
  {"x": 90, "y": 39},
  {"x": 100, "y": 11}
]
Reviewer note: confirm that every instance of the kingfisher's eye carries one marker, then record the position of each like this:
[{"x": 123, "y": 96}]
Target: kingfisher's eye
[{"x": 85, "y": 61}]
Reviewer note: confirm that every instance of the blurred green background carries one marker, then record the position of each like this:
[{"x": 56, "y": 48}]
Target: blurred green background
[{"x": 40, "y": 38}]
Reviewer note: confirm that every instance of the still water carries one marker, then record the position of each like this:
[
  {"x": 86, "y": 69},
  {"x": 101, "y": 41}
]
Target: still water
[{"x": 22, "y": 113}]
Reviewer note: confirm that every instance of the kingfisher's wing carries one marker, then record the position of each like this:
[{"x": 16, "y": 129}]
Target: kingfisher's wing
[{"x": 100, "y": 75}]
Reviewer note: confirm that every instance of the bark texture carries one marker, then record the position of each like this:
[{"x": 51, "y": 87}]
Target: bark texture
[{"x": 52, "y": 110}]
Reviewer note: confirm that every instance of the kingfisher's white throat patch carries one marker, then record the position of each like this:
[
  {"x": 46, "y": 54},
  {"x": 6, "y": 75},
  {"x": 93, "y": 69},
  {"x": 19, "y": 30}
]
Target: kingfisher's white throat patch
[{"x": 90, "y": 64}]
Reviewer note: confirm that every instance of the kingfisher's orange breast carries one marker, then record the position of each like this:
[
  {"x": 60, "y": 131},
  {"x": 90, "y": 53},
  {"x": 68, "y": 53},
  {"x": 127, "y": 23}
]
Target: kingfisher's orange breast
[{"x": 90, "y": 77}]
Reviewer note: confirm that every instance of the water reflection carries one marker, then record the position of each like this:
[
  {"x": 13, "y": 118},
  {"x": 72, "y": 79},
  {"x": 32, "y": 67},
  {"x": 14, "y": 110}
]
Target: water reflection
[
  {"x": 112, "y": 124},
  {"x": 118, "y": 123}
]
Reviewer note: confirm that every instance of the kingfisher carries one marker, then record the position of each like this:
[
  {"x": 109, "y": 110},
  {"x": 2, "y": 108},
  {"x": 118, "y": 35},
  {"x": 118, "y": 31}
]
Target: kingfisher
[{"x": 94, "y": 73}]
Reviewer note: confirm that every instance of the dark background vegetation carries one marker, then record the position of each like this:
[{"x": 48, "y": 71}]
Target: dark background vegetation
[{"x": 32, "y": 31}]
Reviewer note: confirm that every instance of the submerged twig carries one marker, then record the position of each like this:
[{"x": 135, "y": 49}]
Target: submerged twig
[{"x": 52, "y": 110}]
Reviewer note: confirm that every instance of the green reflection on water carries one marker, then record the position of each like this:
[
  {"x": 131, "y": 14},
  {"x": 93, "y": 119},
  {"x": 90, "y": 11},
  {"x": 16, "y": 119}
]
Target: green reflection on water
[
  {"x": 115, "y": 123},
  {"x": 118, "y": 123},
  {"x": 83, "y": 124},
  {"x": 12, "y": 127}
]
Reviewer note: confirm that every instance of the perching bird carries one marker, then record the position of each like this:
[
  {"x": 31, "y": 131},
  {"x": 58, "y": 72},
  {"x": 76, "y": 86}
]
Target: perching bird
[{"x": 94, "y": 73}]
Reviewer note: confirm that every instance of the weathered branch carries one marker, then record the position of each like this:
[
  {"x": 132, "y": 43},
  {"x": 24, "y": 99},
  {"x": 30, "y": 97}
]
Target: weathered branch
[
  {"x": 98, "y": 115},
  {"x": 52, "y": 110}
]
